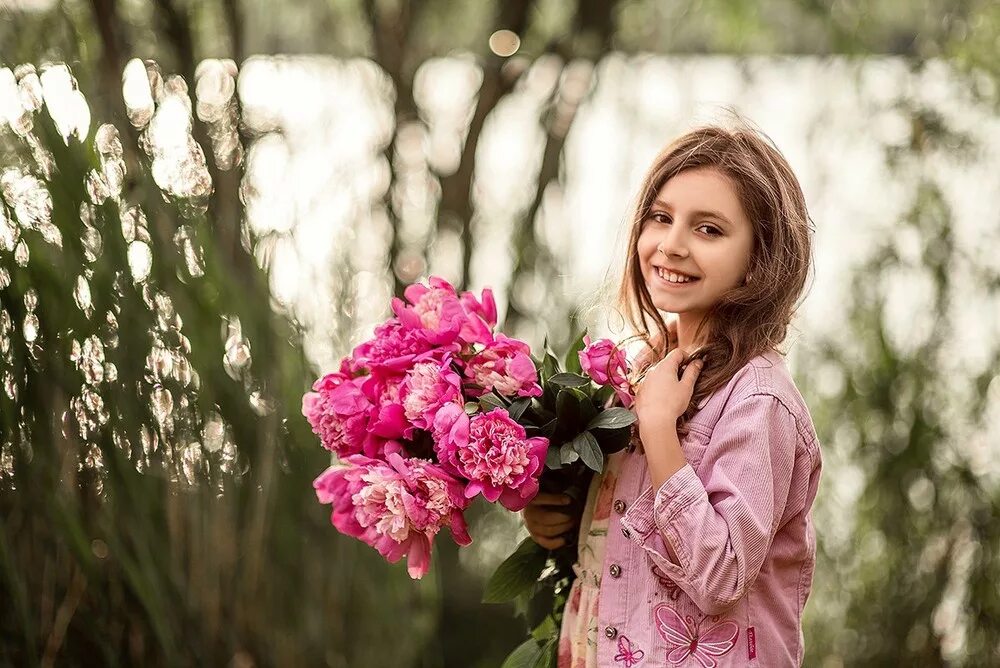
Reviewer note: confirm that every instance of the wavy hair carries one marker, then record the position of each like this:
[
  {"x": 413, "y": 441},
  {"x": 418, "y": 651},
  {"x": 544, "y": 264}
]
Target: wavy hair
[{"x": 753, "y": 317}]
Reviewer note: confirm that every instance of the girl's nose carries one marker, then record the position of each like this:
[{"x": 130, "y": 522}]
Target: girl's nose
[{"x": 673, "y": 243}]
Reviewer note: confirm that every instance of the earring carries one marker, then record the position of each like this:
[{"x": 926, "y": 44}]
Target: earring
[{"x": 746, "y": 281}]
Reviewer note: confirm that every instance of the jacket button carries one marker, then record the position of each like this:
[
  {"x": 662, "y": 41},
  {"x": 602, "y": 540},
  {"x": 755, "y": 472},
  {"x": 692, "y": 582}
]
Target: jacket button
[
  {"x": 619, "y": 506},
  {"x": 626, "y": 532},
  {"x": 616, "y": 571},
  {"x": 611, "y": 632}
]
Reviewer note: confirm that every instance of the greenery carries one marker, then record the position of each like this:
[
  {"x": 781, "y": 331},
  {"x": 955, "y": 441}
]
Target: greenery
[{"x": 155, "y": 473}]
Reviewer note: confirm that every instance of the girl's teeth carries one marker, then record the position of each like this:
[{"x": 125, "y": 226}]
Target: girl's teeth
[{"x": 672, "y": 277}]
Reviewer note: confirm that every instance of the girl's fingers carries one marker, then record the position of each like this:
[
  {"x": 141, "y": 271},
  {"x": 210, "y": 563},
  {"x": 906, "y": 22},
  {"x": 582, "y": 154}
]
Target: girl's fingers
[
  {"x": 691, "y": 372},
  {"x": 551, "y": 530},
  {"x": 543, "y": 517},
  {"x": 550, "y": 534},
  {"x": 547, "y": 519},
  {"x": 671, "y": 362},
  {"x": 546, "y": 499},
  {"x": 549, "y": 543}
]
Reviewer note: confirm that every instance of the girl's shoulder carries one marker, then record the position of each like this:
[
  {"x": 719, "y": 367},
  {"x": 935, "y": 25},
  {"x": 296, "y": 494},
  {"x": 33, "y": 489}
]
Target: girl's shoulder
[{"x": 767, "y": 376}]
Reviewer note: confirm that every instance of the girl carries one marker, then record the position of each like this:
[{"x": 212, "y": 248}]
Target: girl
[{"x": 696, "y": 546}]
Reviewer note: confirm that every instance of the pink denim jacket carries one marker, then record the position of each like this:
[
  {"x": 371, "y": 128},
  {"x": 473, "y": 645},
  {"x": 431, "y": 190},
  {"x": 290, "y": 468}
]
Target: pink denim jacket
[{"x": 738, "y": 518}]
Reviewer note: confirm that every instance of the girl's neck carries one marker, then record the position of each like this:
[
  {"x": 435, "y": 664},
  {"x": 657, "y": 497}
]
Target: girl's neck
[{"x": 687, "y": 327}]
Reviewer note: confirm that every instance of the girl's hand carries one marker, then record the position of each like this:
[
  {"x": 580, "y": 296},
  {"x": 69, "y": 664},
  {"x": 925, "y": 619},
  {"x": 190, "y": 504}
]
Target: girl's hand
[
  {"x": 654, "y": 342},
  {"x": 661, "y": 397},
  {"x": 546, "y": 522}
]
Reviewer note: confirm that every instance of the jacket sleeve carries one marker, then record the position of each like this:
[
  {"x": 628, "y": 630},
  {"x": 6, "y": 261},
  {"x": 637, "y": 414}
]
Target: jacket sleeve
[{"x": 718, "y": 532}]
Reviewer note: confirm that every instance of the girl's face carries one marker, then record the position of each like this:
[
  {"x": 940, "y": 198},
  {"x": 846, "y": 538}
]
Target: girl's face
[{"x": 696, "y": 230}]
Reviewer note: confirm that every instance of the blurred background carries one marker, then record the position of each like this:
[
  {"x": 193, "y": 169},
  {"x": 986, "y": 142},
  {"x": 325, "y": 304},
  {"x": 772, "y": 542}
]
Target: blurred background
[{"x": 203, "y": 205}]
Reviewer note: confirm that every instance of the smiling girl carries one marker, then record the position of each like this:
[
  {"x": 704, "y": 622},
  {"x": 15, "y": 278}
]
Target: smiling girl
[{"x": 696, "y": 545}]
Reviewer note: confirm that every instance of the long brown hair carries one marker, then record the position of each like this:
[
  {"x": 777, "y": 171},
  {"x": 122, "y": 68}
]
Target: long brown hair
[{"x": 753, "y": 317}]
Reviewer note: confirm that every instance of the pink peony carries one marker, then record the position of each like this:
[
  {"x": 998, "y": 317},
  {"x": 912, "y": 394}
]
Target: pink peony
[
  {"x": 396, "y": 506},
  {"x": 430, "y": 384},
  {"x": 606, "y": 364},
  {"x": 492, "y": 452},
  {"x": 388, "y": 420},
  {"x": 505, "y": 366},
  {"x": 338, "y": 412},
  {"x": 435, "y": 310},
  {"x": 393, "y": 347},
  {"x": 478, "y": 328},
  {"x": 444, "y": 316}
]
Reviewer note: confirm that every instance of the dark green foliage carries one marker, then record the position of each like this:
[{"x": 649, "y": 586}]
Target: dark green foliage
[
  {"x": 512, "y": 578},
  {"x": 142, "y": 568}
]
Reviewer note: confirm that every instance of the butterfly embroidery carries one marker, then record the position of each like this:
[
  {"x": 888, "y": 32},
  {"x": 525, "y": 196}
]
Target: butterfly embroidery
[
  {"x": 673, "y": 591},
  {"x": 685, "y": 638},
  {"x": 628, "y": 653}
]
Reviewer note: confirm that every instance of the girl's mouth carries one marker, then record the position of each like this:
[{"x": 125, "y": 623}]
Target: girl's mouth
[{"x": 673, "y": 280}]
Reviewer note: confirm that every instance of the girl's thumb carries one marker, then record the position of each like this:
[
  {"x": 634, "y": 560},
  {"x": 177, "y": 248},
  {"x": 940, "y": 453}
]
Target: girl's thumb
[{"x": 691, "y": 371}]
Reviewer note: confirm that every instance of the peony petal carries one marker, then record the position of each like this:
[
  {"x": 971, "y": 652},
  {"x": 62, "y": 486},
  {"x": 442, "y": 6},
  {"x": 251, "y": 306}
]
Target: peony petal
[
  {"x": 325, "y": 484},
  {"x": 418, "y": 560},
  {"x": 415, "y": 291},
  {"x": 489, "y": 307},
  {"x": 473, "y": 488},
  {"x": 512, "y": 500},
  {"x": 348, "y": 399},
  {"x": 441, "y": 284},
  {"x": 522, "y": 368},
  {"x": 391, "y": 422},
  {"x": 459, "y": 528},
  {"x": 310, "y": 400}
]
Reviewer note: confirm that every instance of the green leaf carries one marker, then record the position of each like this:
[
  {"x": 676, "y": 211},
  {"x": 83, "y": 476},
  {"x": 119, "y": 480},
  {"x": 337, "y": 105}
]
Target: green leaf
[
  {"x": 590, "y": 452},
  {"x": 490, "y": 401},
  {"x": 546, "y": 630},
  {"x": 568, "y": 454},
  {"x": 517, "y": 574},
  {"x": 568, "y": 410},
  {"x": 552, "y": 458},
  {"x": 587, "y": 409},
  {"x": 540, "y": 409},
  {"x": 545, "y": 659},
  {"x": 549, "y": 654},
  {"x": 518, "y": 406},
  {"x": 603, "y": 394},
  {"x": 525, "y": 656},
  {"x": 613, "y": 418},
  {"x": 521, "y": 604},
  {"x": 572, "y": 360},
  {"x": 613, "y": 440},
  {"x": 540, "y": 606},
  {"x": 471, "y": 407},
  {"x": 569, "y": 380},
  {"x": 550, "y": 366}
]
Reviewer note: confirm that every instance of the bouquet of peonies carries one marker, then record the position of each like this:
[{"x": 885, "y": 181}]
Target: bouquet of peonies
[{"x": 438, "y": 408}]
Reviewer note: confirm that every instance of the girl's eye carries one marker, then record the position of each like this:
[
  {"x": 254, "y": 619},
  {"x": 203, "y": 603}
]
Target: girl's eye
[
  {"x": 711, "y": 230},
  {"x": 661, "y": 217}
]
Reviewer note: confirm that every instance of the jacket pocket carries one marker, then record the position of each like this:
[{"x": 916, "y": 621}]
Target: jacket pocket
[{"x": 694, "y": 444}]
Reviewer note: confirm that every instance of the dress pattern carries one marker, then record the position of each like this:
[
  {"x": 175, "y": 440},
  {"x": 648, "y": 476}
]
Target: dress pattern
[{"x": 578, "y": 639}]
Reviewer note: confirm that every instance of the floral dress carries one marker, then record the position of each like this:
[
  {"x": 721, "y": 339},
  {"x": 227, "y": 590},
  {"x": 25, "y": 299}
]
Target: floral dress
[{"x": 578, "y": 638}]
